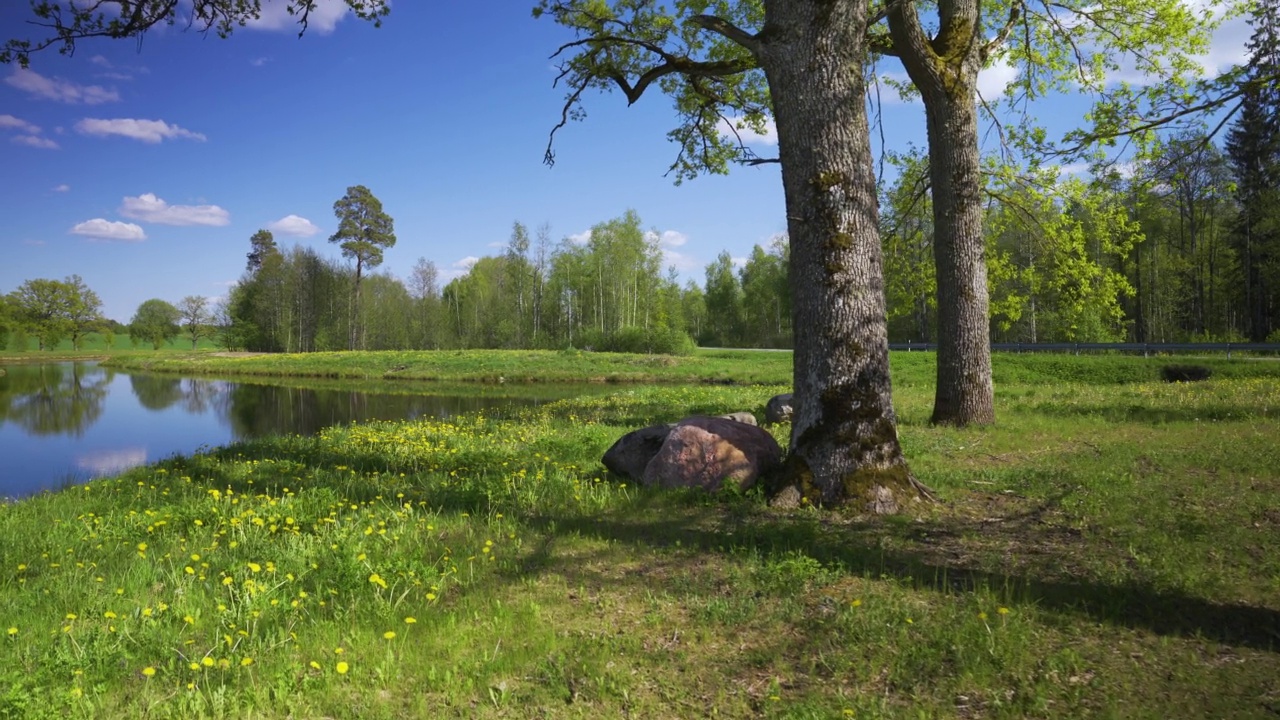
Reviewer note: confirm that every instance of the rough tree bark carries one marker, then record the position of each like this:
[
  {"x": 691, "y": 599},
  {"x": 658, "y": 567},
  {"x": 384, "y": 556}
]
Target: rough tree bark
[
  {"x": 844, "y": 441},
  {"x": 945, "y": 71}
]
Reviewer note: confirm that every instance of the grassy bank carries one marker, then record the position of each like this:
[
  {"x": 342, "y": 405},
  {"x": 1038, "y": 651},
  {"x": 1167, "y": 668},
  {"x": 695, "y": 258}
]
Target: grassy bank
[
  {"x": 740, "y": 367},
  {"x": 1108, "y": 550}
]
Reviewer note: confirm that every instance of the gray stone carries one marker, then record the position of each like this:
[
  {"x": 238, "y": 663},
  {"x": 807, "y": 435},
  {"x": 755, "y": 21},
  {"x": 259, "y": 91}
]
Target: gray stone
[
  {"x": 778, "y": 409},
  {"x": 630, "y": 455},
  {"x": 742, "y": 417}
]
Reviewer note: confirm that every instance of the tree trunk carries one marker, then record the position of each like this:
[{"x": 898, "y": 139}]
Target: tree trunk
[
  {"x": 945, "y": 70},
  {"x": 844, "y": 438}
]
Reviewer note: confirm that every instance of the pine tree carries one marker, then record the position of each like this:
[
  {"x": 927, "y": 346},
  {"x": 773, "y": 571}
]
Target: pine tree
[{"x": 1254, "y": 147}]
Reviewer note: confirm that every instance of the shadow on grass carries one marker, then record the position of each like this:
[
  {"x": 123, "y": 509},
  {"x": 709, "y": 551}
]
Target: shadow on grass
[
  {"x": 931, "y": 553},
  {"x": 858, "y": 549}
]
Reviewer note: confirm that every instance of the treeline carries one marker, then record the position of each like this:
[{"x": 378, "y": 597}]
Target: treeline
[
  {"x": 1168, "y": 251},
  {"x": 1183, "y": 246},
  {"x": 610, "y": 292}
]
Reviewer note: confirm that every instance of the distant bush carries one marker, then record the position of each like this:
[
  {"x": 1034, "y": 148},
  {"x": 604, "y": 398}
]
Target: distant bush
[{"x": 1185, "y": 373}]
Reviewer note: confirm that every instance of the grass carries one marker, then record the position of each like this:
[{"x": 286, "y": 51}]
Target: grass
[
  {"x": 1107, "y": 550},
  {"x": 94, "y": 346}
]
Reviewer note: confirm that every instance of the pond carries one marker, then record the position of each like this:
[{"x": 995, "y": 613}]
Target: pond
[{"x": 65, "y": 423}]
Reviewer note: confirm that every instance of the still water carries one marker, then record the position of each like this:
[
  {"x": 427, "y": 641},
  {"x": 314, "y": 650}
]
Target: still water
[{"x": 69, "y": 422}]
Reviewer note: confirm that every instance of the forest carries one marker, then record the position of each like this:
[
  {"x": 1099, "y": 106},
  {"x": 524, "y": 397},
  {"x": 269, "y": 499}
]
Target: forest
[{"x": 1177, "y": 247}]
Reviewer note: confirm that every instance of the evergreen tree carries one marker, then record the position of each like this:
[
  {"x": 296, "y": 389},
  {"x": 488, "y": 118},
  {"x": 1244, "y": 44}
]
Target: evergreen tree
[
  {"x": 364, "y": 231},
  {"x": 1254, "y": 148}
]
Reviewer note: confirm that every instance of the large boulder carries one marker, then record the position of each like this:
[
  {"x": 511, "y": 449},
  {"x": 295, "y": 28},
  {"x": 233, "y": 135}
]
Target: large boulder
[
  {"x": 778, "y": 409},
  {"x": 708, "y": 452},
  {"x": 630, "y": 455}
]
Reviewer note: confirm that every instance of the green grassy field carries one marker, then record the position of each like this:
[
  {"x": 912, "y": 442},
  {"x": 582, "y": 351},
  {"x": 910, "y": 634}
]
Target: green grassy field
[
  {"x": 1107, "y": 550},
  {"x": 95, "y": 346}
]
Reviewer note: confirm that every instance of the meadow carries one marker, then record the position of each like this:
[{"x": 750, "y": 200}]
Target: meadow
[{"x": 1108, "y": 549}]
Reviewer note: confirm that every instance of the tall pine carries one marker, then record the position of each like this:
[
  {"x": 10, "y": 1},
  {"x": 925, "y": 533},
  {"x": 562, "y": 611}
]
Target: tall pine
[{"x": 1254, "y": 147}]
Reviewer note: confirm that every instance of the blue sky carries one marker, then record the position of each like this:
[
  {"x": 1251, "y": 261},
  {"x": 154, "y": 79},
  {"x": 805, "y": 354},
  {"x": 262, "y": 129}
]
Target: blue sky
[{"x": 146, "y": 168}]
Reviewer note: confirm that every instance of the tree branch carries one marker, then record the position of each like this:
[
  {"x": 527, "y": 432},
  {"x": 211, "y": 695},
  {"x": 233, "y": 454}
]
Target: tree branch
[
  {"x": 728, "y": 30},
  {"x": 1015, "y": 12}
]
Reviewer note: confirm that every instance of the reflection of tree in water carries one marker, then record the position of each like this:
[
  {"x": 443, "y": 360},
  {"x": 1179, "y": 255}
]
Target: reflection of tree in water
[
  {"x": 262, "y": 410},
  {"x": 160, "y": 392},
  {"x": 53, "y": 399}
]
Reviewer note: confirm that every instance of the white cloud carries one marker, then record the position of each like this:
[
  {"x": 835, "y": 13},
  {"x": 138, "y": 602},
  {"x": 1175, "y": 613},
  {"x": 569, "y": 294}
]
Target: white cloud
[
  {"x": 738, "y": 262},
  {"x": 36, "y": 141},
  {"x": 681, "y": 262},
  {"x": 466, "y": 263},
  {"x": 149, "y": 208},
  {"x": 993, "y": 80},
  {"x": 747, "y": 135},
  {"x": 60, "y": 90},
  {"x": 323, "y": 18},
  {"x": 1227, "y": 46},
  {"x": 294, "y": 225},
  {"x": 496, "y": 244},
  {"x": 148, "y": 131},
  {"x": 100, "y": 60},
  {"x": 62, "y": 188},
  {"x": 9, "y": 122},
  {"x": 259, "y": 62},
  {"x": 104, "y": 462},
  {"x": 581, "y": 238},
  {"x": 109, "y": 230}
]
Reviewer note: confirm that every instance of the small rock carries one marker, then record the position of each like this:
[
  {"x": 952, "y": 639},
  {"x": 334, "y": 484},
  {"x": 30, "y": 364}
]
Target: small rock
[
  {"x": 742, "y": 417},
  {"x": 778, "y": 409},
  {"x": 787, "y": 499}
]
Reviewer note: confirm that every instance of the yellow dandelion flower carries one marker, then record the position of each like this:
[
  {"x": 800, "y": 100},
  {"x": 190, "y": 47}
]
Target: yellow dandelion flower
[
  {"x": 342, "y": 667},
  {"x": 206, "y": 661},
  {"x": 193, "y": 665},
  {"x": 1003, "y": 611},
  {"x": 410, "y": 620},
  {"x": 390, "y": 634},
  {"x": 255, "y": 567},
  {"x": 246, "y": 662},
  {"x": 71, "y": 616},
  {"x": 856, "y": 603},
  {"x": 188, "y": 620},
  {"x": 431, "y": 596},
  {"x": 148, "y": 671},
  {"x": 13, "y": 631},
  {"x": 315, "y": 665},
  {"x": 982, "y": 616},
  {"x": 108, "y": 615}
]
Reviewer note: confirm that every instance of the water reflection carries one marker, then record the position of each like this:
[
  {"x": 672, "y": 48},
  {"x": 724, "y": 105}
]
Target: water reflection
[
  {"x": 53, "y": 399},
  {"x": 67, "y": 422}
]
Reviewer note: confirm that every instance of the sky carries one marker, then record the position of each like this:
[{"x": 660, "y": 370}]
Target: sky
[{"x": 145, "y": 167}]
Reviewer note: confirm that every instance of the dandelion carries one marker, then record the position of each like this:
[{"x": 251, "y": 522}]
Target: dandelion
[
  {"x": 13, "y": 631},
  {"x": 71, "y": 616},
  {"x": 342, "y": 667},
  {"x": 982, "y": 616},
  {"x": 206, "y": 661},
  {"x": 856, "y": 603},
  {"x": 1003, "y": 611},
  {"x": 255, "y": 567},
  {"x": 148, "y": 671},
  {"x": 109, "y": 615},
  {"x": 390, "y": 634},
  {"x": 314, "y": 665},
  {"x": 193, "y": 665},
  {"x": 246, "y": 662},
  {"x": 410, "y": 620},
  {"x": 188, "y": 620},
  {"x": 431, "y": 596}
]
